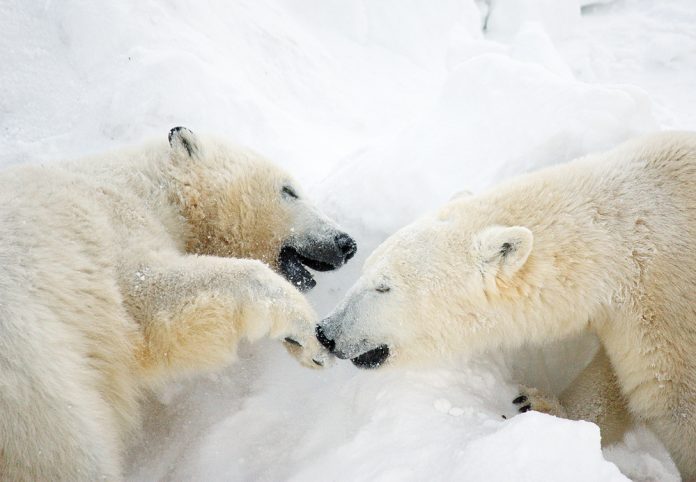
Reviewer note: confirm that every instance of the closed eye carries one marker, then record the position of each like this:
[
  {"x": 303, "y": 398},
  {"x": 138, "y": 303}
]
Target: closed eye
[
  {"x": 289, "y": 192},
  {"x": 382, "y": 289}
]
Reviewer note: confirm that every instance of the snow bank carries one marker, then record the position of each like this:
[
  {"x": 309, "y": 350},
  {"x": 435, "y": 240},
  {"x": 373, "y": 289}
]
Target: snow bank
[
  {"x": 444, "y": 423},
  {"x": 385, "y": 109}
]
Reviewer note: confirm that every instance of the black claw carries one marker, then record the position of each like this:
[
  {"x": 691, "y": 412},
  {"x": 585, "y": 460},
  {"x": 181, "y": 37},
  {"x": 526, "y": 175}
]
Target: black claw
[
  {"x": 520, "y": 399},
  {"x": 504, "y": 417},
  {"x": 526, "y": 408}
]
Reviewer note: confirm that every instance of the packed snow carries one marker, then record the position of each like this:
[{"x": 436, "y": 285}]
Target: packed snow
[{"x": 383, "y": 109}]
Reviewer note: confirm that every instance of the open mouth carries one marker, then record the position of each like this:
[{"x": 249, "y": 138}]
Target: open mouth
[
  {"x": 292, "y": 265},
  {"x": 373, "y": 358}
]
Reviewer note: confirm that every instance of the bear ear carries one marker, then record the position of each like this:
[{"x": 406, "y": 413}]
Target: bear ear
[
  {"x": 504, "y": 250},
  {"x": 184, "y": 143}
]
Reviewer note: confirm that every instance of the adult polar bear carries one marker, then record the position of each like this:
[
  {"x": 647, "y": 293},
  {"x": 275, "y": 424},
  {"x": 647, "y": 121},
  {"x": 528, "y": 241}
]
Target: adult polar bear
[
  {"x": 110, "y": 282},
  {"x": 605, "y": 243}
]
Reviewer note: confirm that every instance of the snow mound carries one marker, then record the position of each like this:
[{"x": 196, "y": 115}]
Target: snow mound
[{"x": 445, "y": 422}]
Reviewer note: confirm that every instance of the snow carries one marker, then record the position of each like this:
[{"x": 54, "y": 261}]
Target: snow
[{"x": 383, "y": 109}]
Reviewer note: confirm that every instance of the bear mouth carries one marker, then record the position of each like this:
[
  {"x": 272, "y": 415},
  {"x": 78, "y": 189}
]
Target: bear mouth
[
  {"x": 372, "y": 358},
  {"x": 292, "y": 264}
]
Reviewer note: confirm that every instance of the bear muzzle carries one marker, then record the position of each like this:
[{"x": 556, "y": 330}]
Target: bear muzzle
[
  {"x": 361, "y": 358},
  {"x": 327, "y": 255}
]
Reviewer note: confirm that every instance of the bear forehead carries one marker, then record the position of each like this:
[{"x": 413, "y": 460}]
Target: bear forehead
[
  {"x": 412, "y": 250},
  {"x": 426, "y": 236},
  {"x": 241, "y": 161}
]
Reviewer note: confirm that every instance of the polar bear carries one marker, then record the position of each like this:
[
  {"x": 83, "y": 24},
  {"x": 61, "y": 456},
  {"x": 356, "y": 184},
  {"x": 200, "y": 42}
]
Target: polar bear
[
  {"x": 121, "y": 271},
  {"x": 606, "y": 243}
]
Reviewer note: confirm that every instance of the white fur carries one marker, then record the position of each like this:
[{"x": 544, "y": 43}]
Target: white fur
[
  {"x": 110, "y": 283},
  {"x": 606, "y": 243}
]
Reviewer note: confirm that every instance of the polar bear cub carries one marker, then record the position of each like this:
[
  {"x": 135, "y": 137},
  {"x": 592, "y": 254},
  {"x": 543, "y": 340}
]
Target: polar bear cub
[
  {"x": 120, "y": 271},
  {"x": 606, "y": 243}
]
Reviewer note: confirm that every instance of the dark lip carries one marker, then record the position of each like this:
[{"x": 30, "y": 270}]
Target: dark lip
[
  {"x": 292, "y": 262},
  {"x": 372, "y": 358},
  {"x": 316, "y": 264},
  {"x": 291, "y": 266}
]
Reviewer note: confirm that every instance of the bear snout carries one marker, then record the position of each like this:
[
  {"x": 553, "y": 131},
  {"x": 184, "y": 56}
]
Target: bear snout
[
  {"x": 373, "y": 358},
  {"x": 360, "y": 354},
  {"x": 327, "y": 253},
  {"x": 324, "y": 340},
  {"x": 346, "y": 245}
]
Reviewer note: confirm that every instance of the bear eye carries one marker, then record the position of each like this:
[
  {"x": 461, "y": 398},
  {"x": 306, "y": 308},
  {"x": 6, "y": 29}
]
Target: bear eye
[
  {"x": 292, "y": 341},
  {"x": 382, "y": 289},
  {"x": 289, "y": 192}
]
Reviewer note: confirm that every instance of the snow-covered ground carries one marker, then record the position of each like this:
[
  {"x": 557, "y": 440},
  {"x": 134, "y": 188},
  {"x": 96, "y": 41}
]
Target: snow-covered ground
[{"x": 384, "y": 109}]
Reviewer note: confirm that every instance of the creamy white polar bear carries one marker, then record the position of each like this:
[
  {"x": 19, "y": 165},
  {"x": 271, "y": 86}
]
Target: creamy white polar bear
[
  {"x": 606, "y": 243},
  {"x": 115, "y": 274}
]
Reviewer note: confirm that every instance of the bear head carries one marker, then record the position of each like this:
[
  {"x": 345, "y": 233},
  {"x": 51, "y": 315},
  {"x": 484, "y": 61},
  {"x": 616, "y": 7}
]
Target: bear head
[
  {"x": 439, "y": 286},
  {"x": 238, "y": 204}
]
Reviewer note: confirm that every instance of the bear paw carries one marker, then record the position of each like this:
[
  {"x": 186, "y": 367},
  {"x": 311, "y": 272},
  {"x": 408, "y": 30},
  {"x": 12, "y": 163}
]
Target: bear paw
[{"x": 533, "y": 399}]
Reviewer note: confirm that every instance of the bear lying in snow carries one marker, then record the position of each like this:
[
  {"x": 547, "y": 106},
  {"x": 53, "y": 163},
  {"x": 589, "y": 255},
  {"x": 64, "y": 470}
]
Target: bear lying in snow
[
  {"x": 606, "y": 243},
  {"x": 115, "y": 274}
]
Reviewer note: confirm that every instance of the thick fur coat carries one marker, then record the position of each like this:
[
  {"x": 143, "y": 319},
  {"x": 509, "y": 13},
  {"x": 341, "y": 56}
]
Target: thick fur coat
[
  {"x": 121, "y": 271},
  {"x": 605, "y": 243}
]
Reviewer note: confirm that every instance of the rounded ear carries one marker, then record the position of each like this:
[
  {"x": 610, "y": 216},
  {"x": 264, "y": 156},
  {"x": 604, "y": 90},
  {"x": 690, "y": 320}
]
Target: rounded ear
[
  {"x": 504, "y": 250},
  {"x": 184, "y": 143}
]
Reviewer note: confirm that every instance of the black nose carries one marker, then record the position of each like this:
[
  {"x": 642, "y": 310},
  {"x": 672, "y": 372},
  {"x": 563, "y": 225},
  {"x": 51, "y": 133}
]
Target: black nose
[
  {"x": 321, "y": 336},
  {"x": 346, "y": 244}
]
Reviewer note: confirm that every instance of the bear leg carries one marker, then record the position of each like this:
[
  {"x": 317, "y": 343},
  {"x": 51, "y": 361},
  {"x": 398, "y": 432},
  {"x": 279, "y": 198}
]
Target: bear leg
[
  {"x": 55, "y": 430},
  {"x": 194, "y": 310},
  {"x": 595, "y": 396}
]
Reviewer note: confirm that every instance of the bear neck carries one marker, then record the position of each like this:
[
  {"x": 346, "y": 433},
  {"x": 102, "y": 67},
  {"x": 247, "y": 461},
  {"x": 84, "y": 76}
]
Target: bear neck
[
  {"x": 218, "y": 225},
  {"x": 145, "y": 172},
  {"x": 580, "y": 216}
]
